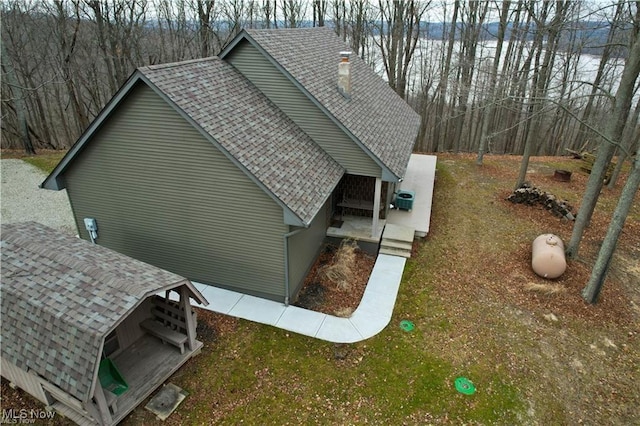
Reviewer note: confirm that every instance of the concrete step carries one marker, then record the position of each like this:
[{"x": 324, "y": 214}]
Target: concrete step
[
  {"x": 398, "y": 233},
  {"x": 395, "y": 252},
  {"x": 396, "y": 244}
]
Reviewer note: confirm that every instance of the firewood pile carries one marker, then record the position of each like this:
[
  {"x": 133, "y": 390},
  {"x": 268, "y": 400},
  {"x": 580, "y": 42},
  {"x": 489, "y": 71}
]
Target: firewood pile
[{"x": 530, "y": 195}]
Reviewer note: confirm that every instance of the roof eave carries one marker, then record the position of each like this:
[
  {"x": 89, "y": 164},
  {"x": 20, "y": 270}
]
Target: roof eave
[
  {"x": 55, "y": 180},
  {"x": 193, "y": 291}
]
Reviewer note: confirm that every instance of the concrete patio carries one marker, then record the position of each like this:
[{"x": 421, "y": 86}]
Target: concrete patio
[
  {"x": 420, "y": 178},
  {"x": 358, "y": 228}
]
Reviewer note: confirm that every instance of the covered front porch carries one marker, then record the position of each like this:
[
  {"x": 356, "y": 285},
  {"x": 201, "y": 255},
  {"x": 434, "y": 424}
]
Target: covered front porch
[{"x": 419, "y": 178}]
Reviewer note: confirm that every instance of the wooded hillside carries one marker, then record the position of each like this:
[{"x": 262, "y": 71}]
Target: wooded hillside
[{"x": 505, "y": 73}]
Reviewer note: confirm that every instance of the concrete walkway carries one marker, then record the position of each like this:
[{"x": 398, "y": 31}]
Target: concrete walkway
[
  {"x": 370, "y": 318},
  {"x": 376, "y": 307}
]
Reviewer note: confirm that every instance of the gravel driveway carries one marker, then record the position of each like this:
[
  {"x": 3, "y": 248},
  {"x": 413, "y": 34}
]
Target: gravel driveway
[{"x": 21, "y": 200}]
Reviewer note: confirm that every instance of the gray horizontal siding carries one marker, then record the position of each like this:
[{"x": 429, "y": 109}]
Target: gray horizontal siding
[
  {"x": 163, "y": 194},
  {"x": 255, "y": 67},
  {"x": 304, "y": 248}
]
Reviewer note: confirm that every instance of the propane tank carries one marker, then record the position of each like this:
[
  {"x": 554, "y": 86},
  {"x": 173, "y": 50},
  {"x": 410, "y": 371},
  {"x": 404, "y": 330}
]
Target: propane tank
[{"x": 547, "y": 256}]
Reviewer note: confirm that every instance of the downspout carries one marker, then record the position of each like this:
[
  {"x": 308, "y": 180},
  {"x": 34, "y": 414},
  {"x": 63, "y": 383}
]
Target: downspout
[{"x": 286, "y": 262}]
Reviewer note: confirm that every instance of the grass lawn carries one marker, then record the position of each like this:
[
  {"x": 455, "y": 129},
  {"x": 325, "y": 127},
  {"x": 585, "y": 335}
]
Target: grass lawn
[
  {"x": 466, "y": 292},
  {"x": 45, "y": 160}
]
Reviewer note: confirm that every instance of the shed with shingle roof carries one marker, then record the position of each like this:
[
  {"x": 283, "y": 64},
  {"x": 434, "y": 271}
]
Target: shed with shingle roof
[{"x": 61, "y": 298}]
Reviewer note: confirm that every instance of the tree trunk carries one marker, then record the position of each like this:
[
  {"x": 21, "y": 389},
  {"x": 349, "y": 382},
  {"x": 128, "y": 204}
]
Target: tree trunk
[
  {"x": 630, "y": 137},
  {"x": 19, "y": 101},
  {"x": 601, "y": 266},
  {"x": 204, "y": 18},
  {"x": 583, "y": 134},
  {"x": 439, "y": 134},
  {"x": 542, "y": 77},
  {"x": 490, "y": 105},
  {"x": 613, "y": 133}
]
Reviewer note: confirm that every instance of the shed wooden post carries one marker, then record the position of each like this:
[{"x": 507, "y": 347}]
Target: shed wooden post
[
  {"x": 101, "y": 399},
  {"x": 188, "y": 316},
  {"x": 376, "y": 208}
]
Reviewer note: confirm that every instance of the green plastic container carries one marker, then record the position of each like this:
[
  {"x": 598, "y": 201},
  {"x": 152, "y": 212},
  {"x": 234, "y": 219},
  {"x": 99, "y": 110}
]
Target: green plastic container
[{"x": 110, "y": 378}]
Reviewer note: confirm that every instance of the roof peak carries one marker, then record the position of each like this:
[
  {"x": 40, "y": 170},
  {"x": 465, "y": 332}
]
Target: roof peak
[
  {"x": 289, "y": 28},
  {"x": 178, "y": 64},
  {"x": 375, "y": 116}
]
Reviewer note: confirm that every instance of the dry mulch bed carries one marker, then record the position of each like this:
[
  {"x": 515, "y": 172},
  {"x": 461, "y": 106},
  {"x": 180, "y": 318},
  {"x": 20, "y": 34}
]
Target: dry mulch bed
[{"x": 322, "y": 295}]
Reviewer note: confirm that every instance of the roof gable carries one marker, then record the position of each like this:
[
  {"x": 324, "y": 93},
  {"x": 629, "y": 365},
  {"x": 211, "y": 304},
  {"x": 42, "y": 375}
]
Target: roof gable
[
  {"x": 252, "y": 130},
  {"x": 375, "y": 116},
  {"x": 61, "y": 296},
  {"x": 242, "y": 123}
]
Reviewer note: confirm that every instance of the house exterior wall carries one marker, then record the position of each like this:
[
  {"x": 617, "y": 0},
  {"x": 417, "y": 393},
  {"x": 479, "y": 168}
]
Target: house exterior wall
[
  {"x": 304, "y": 249},
  {"x": 281, "y": 91},
  {"x": 163, "y": 194}
]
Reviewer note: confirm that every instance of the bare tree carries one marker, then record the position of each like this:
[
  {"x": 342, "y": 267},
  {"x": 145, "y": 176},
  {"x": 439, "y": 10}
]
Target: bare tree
[
  {"x": 439, "y": 134},
  {"x": 613, "y": 133},
  {"x": 615, "y": 25},
  {"x": 20, "y": 107},
  {"x": 608, "y": 247},
  {"x": 205, "y": 9},
  {"x": 542, "y": 75},
  {"x": 68, "y": 29},
  {"x": 293, "y": 12},
  {"x": 399, "y": 32},
  {"x": 488, "y": 113},
  {"x": 473, "y": 16},
  {"x": 116, "y": 23},
  {"x": 630, "y": 142},
  {"x": 319, "y": 12}
]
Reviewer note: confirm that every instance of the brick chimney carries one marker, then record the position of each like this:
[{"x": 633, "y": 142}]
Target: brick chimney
[{"x": 344, "y": 75}]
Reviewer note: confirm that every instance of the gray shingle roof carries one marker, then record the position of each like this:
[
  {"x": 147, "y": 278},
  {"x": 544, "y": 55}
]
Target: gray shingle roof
[
  {"x": 252, "y": 130},
  {"x": 61, "y": 296},
  {"x": 381, "y": 120}
]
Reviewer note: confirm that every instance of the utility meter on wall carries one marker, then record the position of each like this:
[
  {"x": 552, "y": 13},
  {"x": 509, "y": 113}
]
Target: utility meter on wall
[{"x": 92, "y": 226}]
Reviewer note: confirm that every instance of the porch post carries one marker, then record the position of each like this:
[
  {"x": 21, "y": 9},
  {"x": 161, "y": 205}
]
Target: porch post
[
  {"x": 188, "y": 317},
  {"x": 376, "y": 208}
]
